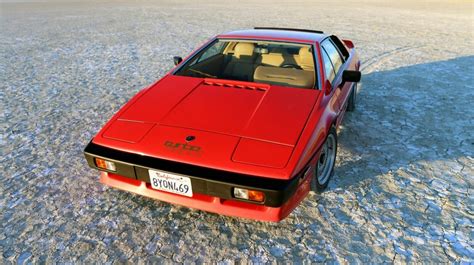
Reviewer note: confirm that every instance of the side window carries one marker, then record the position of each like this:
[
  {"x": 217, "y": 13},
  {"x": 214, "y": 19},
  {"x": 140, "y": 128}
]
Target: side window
[
  {"x": 213, "y": 50},
  {"x": 328, "y": 68},
  {"x": 334, "y": 55}
]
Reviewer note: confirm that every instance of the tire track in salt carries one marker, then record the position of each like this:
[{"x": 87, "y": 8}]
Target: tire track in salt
[{"x": 375, "y": 61}]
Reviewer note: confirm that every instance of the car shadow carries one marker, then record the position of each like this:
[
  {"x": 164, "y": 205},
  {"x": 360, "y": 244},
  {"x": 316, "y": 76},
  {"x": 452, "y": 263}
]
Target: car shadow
[
  {"x": 406, "y": 118},
  {"x": 404, "y": 171}
]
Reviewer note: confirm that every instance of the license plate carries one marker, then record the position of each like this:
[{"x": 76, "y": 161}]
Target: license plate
[{"x": 170, "y": 182}]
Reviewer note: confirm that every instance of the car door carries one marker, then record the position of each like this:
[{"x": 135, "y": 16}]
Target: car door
[{"x": 337, "y": 61}]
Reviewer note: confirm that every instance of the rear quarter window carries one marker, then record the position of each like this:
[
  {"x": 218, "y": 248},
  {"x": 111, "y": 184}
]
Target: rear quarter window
[
  {"x": 333, "y": 54},
  {"x": 340, "y": 46}
]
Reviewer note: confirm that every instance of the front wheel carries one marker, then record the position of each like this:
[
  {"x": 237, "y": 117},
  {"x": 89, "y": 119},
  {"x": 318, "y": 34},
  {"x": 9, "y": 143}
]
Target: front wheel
[{"x": 325, "y": 165}]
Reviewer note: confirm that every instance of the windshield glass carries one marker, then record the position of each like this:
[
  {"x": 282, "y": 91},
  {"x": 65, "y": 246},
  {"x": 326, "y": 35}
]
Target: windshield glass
[{"x": 274, "y": 63}]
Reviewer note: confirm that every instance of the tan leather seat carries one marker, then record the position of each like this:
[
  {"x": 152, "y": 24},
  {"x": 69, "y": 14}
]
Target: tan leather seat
[
  {"x": 273, "y": 59},
  {"x": 305, "y": 59},
  {"x": 284, "y": 76},
  {"x": 278, "y": 59},
  {"x": 241, "y": 65}
]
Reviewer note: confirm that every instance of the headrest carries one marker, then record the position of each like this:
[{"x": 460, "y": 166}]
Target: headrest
[
  {"x": 275, "y": 59},
  {"x": 243, "y": 48},
  {"x": 306, "y": 57}
]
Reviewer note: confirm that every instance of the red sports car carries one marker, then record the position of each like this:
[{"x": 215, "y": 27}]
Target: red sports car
[{"x": 244, "y": 126}]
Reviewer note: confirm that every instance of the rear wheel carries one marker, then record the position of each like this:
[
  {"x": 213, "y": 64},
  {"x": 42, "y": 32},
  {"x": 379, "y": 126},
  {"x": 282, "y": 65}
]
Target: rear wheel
[
  {"x": 325, "y": 165},
  {"x": 351, "y": 105}
]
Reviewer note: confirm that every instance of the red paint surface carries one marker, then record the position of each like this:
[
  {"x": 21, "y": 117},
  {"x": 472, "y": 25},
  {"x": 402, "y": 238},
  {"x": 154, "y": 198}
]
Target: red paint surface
[{"x": 244, "y": 127}]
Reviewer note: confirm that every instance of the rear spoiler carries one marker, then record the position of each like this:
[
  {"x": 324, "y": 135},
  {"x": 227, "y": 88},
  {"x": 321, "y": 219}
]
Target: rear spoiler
[{"x": 349, "y": 44}]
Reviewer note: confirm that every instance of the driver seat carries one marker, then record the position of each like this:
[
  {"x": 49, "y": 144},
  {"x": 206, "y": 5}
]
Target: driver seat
[{"x": 242, "y": 63}]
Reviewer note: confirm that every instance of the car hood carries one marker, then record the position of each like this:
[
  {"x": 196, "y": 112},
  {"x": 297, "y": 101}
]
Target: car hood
[
  {"x": 250, "y": 110},
  {"x": 232, "y": 122}
]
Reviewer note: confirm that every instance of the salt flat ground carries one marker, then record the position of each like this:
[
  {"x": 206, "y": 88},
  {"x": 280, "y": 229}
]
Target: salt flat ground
[{"x": 403, "y": 188}]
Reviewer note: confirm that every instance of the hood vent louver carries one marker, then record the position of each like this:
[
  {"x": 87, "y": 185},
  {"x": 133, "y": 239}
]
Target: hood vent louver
[{"x": 236, "y": 84}]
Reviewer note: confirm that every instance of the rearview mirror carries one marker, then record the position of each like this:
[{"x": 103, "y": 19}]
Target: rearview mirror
[
  {"x": 351, "y": 76},
  {"x": 177, "y": 60}
]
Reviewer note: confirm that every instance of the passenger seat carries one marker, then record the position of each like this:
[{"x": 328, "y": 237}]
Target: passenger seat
[
  {"x": 272, "y": 59},
  {"x": 284, "y": 76},
  {"x": 305, "y": 59}
]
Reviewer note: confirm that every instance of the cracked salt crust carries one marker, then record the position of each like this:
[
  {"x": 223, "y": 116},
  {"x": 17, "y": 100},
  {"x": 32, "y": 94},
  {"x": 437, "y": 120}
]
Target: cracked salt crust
[{"x": 402, "y": 191}]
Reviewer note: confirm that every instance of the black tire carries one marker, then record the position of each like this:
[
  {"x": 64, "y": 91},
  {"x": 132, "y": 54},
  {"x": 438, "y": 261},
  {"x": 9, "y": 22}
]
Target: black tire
[
  {"x": 319, "y": 183},
  {"x": 351, "y": 105}
]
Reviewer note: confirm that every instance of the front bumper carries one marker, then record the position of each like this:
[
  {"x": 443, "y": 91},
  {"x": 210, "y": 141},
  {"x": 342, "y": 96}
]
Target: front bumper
[
  {"x": 210, "y": 203},
  {"x": 212, "y": 188}
]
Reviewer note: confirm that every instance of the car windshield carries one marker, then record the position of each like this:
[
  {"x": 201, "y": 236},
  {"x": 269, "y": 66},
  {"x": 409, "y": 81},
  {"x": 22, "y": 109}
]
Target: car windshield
[{"x": 274, "y": 63}]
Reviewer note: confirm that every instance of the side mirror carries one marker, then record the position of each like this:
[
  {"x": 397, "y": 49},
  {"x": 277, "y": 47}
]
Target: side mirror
[
  {"x": 351, "y": 76},
  {"x": 177, "y": 60}
]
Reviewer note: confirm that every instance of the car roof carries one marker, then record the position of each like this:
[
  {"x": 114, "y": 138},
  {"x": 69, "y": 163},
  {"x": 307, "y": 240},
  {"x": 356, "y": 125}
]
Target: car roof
[{"x": 292, "y": 35}]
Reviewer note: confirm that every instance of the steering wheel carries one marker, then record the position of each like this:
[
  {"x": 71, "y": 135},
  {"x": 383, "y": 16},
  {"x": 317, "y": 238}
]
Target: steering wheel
[{"x": 290, "y": 65}]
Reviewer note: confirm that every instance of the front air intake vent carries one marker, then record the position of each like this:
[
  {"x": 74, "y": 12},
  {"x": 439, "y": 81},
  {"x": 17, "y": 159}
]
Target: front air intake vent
[{"x": 236, "y": 84}]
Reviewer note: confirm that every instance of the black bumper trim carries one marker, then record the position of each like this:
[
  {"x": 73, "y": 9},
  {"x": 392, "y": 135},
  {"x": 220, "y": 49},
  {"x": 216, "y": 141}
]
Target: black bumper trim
[{"x": 207, "y": 181}]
